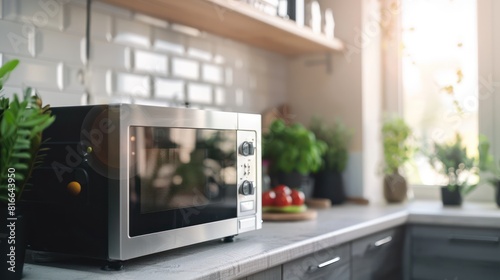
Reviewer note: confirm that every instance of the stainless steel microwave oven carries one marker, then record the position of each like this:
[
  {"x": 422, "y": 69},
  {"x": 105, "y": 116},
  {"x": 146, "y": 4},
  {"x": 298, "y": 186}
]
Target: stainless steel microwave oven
[{"x": 123, "y": 181}]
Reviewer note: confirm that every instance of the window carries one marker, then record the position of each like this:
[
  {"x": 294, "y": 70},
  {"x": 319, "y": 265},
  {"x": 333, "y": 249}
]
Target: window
[{"x": 439, "y": 66}]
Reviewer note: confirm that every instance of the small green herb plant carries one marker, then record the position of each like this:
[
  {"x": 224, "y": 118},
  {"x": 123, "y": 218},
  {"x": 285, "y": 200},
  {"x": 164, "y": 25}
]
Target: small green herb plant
[
  {"x": 395, "y": 139},
  {"x": 337, "y": 138},
  {"x": 292, "y": 148},
  {"x": 451, "y": 160},
  {"x": 21, "y": 125},
  {"x": 487, "y": 164}
]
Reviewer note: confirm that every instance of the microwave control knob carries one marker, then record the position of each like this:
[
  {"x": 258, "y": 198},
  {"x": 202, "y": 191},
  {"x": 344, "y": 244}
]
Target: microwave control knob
[
  {"x": 246, "y": 148},
  {"x": 246, "y": 188}
]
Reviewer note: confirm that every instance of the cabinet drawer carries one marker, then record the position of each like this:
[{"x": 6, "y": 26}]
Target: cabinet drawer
[
  {"x": 330, "y": 263},
  {"x": 273, "y": 273},
  {"x": 379, "y": 256},
  {"x": 456, "y": 243},
  {"x": 439, "y": 269}
]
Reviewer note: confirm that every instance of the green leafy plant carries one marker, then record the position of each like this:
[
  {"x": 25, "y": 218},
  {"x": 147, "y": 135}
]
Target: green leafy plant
[
  {"x": 21, "y": 125},
  {"x": 452, "y": 161},
  {"x": 337, "y": 138},
  {"x": 292, "y": 148},
  {"x": 395, "y": 139},
  {"x": 487, "y": 163}
]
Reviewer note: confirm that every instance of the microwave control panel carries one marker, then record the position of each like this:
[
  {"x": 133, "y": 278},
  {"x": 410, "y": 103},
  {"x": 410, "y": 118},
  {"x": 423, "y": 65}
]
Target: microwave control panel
[{"x": 247, "y": 177}]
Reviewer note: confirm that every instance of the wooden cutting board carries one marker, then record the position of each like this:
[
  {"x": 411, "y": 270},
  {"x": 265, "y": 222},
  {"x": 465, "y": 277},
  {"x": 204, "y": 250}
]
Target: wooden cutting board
[{"x": 309, "y": 214}]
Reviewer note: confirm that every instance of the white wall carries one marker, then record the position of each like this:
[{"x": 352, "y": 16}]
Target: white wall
[
  {"x": 351, "y": 92},
  {"x": 489, "y": 82}
]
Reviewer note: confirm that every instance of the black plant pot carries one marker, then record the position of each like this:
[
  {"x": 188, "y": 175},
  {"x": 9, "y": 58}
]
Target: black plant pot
[
  {"x": 329, "y": 185},
  {"x": 451, "y": 197},
  {"x": 12, "y": 245},
  {"x": 294, "y": 180}
]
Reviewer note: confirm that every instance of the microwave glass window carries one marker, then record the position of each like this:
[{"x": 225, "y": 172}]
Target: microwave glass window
[
  {"x": 180, "y": 167},
  {"x": 181, "y": 177}
]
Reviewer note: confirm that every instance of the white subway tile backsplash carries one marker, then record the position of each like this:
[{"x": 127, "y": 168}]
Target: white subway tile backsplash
[
  {"x": 199, "y": 48},
  {"x": 212, "y": 73},
  {"x": 151, "y": 20},
  {"x": 129, "y": 32},
  {"x": 190, "y": 31},
  {"x": 55, "y": 98},
  {"x": 252, "y": 81},
  {"x": 220, "y": 96},
  {"x": 74, "y": 18},
  {"x": 239, "y": 97},
  {"x": 166, "y": 40},
  {"x": 101, "y": 26},
  {"x": 150, "y": 102},
  {"x": 150, "y": 62},
  {"x": 199, "y": 93},
  {"x": 48, "y": 45},
  {"x": 34, "y": 73},
  {"x": 229, "y": 76},
  {"x": 52, "y": 98},
  {"x": 185, "y": 68},
  {"x": 72, "y": 77},
  {"x": 234, "y": 54},
  {"x": 132, "y": 84},
  {"x": 111, "y": 10},
  {"x": 16, "y": 38},
  {"x": 134, "y": 58},
  {"x": 98, "y": 79},
  {"x": 102, "y": 99},
  {"x": 109, "y": 55},
  {"x": 170, "y": 89},
  {"x": 42, "y": 14},
  {"x": 219, "y": 59}
]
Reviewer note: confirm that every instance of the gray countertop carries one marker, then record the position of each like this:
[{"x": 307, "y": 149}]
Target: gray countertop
[{"x": 275, "y": 244}]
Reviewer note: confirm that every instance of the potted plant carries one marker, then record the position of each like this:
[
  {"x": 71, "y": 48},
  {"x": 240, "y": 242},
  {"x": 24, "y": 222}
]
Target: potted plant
[
  {"x": 397, "y": 151},
  {"x": 293, "y": 152},
  {"x": 328, "y": 180},
  {"x": 489, "y": 167},
  {"x": 21, "y": 126},
  {"x": 458, "y": 169}
]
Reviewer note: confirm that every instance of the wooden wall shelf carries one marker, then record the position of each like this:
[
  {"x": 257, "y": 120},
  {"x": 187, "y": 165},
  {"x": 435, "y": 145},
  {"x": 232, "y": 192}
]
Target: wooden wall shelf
[{"x": 238, "y": 21}]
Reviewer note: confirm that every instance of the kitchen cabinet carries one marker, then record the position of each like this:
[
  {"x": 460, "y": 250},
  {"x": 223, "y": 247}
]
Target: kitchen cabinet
[
  {"x": 329, "y": 263},
  {"x": 439, "y": 252},
  {"x": 273, "y": 273},
  {"x": 378, "y": 256},
  {"x": 238, "y": 21}
]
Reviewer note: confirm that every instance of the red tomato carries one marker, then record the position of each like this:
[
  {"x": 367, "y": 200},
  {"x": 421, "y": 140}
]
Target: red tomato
[
  {"x": 282, "y": 199},
  {"x": 268, "y": 198},
  {"x": 298, "y": 197},
  {"x": 282, "y": 188}
]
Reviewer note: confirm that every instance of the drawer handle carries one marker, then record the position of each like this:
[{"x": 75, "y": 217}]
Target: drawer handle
[
  {"x": 327, "y": 263},
  {"x": 383, "y": 241},
  {"x": 475, "y": 238}
]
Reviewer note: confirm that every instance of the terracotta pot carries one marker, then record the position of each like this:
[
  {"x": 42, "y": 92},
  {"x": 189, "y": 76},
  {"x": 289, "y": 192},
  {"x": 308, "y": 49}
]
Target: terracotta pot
[
  {"x": 395, "y": 188},
  {"x": 451, "y": 196}
]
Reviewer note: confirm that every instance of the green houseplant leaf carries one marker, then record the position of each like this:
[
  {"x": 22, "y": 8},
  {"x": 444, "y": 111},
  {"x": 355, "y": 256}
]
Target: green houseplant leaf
[
  {"x": 452, "y": 161},
  {"x": 397, "y": 150},
  {"x": 337, "y": 138},
  {"x": 21, "y": 125},
  {"x": 292, "y": 148}
]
